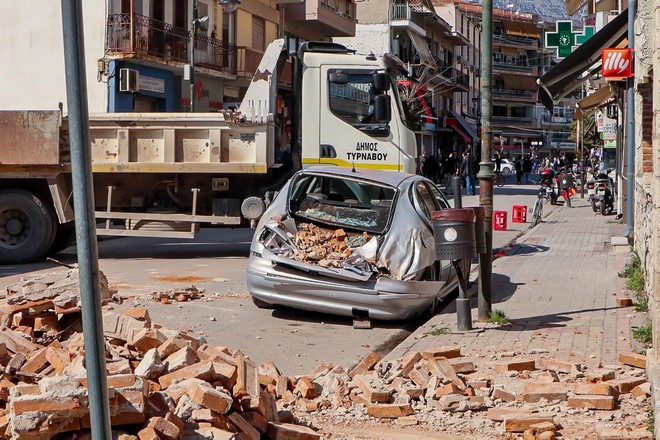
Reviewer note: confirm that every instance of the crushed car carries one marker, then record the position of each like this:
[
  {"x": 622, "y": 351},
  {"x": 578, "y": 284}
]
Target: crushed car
[{"x": 352, "y": 243}]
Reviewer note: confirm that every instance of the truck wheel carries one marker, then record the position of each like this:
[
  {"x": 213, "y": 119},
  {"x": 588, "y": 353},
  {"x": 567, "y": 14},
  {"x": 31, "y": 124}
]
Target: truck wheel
[
  {"x": 64, "y": 237},
  {"x": 27, "y": 228}
]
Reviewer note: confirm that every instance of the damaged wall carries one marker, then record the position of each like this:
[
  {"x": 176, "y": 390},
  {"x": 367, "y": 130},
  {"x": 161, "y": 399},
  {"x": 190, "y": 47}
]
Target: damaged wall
[{"x": 647, "y": 154}]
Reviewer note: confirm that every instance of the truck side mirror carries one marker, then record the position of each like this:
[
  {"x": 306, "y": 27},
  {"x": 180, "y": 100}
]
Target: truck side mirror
[
  {"x": 381, "y": 82},
  {"x": 338, "y": 78},
  {"x": 383, "y": 108}
]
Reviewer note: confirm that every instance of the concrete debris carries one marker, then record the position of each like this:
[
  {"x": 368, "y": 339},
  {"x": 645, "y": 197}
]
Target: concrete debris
[
  {"x": 324, "y": 247},
  {"x": 178, "y": 295},
  {"x": 166, "y": 384}
]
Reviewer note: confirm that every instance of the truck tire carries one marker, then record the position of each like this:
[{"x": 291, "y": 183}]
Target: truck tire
[
  {"x": 27, "y": 227},
  {"x": 64, "y": 237}
]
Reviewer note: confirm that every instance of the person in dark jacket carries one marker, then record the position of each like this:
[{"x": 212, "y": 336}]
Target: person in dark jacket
[
  {"x": 519, "y": 169},
  {"x": 430, "y": 168},
  {"x": 527, "y": 167},
  {"x": 469, "y": 172}
]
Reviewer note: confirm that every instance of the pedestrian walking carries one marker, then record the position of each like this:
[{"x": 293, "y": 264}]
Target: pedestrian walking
[
  {"x": 450, "y": 169},
  {"x": 519, "y": 170},
  {"x": 420, "y": 162},
  {"x": 469, "y": 173},
  {"x": 527, "y": 168},
  {"x": 498, "y": 162},
  {"x": 430, "y": 168}
]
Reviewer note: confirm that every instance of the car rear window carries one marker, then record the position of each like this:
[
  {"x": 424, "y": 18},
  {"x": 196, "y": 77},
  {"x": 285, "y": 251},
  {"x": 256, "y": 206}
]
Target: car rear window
[{"x": 341, "y": 202}]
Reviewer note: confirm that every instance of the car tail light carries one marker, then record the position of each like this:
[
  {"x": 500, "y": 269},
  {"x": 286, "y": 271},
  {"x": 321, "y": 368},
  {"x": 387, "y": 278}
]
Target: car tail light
[
  {"x": 601, "y": 185},
  {"x": 590, "y": 186}
]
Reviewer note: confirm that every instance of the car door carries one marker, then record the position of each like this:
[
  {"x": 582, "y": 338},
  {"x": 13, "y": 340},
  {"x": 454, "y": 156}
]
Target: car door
[{"x": 428, "y": 199}]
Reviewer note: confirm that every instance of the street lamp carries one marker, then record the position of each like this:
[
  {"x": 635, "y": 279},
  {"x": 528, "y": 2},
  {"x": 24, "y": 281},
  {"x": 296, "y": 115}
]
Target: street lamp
[{"x": 229, "y": 6}]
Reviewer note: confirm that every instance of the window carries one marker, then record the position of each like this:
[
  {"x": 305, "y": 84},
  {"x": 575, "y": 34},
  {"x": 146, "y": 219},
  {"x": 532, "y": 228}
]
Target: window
[
  {"x": 258, "y": 33},
  {"x": 353, "y": 102},
  {"x": 425, "y": 200},
  {"x": 341, "y": 202}
]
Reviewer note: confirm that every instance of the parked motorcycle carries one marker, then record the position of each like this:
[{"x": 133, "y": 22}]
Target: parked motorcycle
[
  {"x": 601, "y": 193},
  {"x": 549, "y": 180}
]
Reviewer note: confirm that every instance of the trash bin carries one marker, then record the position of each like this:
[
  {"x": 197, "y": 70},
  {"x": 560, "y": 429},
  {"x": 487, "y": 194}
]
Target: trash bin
[
  {"x": 453, "y": 230},
  {"x": 480, "y": 228}
]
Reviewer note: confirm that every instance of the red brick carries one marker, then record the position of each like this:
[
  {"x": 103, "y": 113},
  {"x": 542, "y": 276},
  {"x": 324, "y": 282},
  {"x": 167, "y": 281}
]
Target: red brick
[
  {"x": 306, "y": 388},
  {"x": 601, "y": 389},
  {"x": 445, "y": 352},
  {"x": 371, "y": 394},
  {"x": 59, "y": 359},
  {"x": 624, "y": 302},
  {"x": 642, "y": 390},
  {"x": 267, "y": 407},
  {"x": 201, "y": 370},
  {"x": 148, "y": 434},
  {"x": 462, "y": 366},
  {"x": 499, "y": 393},
  {"x": 211, "y": 398},
  {"x": 391, "y": 411},
  {"x": 449, "y": 388},
  {"x": 499, "y": 414},
  {"x": 592, "y": 402},
  {"x": 255, "y": 419},
  {"x": 633, "y": 359},
  {"x": 519, "y": 365},
  {"x": 36, "y": 362},
  {"x": 420, "y": 376},
  {"x": 408, "y": 363},
  {"x": 626, "y": 384},
  {"x": 521, "y": 423},
  {"x": 59, "y": 404},
  {"x": 247, "y": 377},
  {"x": 139, "y": 313},
  {"x": 246, "y": 429},
  {"x": 441, "y": 368},
  {"x": 600, "y": 375},
  {"x": 365, "y": 364},
  {"x": 550, "y": 391},
  {"x": 165, "y": 429},
  {"x": 287, "y": 431},
  {"x": 558, "y": 366}
]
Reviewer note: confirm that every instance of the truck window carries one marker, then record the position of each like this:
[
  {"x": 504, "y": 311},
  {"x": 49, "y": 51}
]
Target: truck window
[{"x": 353, "y": 102}]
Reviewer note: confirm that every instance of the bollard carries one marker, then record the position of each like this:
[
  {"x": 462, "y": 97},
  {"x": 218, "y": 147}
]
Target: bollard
[{"x": 456, "y": 189}]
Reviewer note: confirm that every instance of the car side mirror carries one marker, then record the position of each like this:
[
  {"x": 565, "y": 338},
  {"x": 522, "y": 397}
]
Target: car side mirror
[
  {"x": 383, "y": 108},
  {"x": 338, "y": 78},
  {"x": 381, "y": 82}
]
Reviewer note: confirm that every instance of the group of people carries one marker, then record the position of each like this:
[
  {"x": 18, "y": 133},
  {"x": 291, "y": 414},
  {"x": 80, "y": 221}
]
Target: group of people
[{"x": 466, "y": 166}]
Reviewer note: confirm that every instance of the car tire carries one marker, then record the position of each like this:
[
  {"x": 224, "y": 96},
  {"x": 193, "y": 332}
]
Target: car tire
[
  {"x": 506, "y": 170},
  {"x": 262, "y": 304}
]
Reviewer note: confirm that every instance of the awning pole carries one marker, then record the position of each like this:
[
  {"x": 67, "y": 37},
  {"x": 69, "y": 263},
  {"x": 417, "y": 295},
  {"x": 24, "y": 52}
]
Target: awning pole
[{"x": 630, "y": 129}]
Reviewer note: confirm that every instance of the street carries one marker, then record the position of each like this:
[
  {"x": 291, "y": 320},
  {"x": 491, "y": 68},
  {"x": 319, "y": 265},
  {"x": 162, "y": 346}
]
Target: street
[{"x": 296, "y": 341}]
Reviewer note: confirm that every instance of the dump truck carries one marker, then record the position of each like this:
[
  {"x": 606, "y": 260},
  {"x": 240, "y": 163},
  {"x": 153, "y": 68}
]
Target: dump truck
[{"x": 168, "y": 174}]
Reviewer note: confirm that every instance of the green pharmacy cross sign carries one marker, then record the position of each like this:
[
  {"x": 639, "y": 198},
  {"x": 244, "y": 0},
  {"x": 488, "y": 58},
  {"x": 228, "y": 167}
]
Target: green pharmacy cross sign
[{"x": 565, "y": 40}]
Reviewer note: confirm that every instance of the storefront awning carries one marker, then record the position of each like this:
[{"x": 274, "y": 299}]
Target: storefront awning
[
  {"x": 568, "y": 74},
  {"x": 592, "y": 102},
  {"x": 455, "y": 120},
  {"x": 422, "y": 48},
  {"x": 521, "y": 29}
]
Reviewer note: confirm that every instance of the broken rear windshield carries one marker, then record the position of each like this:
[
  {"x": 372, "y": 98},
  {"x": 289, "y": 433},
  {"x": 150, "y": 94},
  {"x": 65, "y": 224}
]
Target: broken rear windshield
[{"x": 341, "y": 202}]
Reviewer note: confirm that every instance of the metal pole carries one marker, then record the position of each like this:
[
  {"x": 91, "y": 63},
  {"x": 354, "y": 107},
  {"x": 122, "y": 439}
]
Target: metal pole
[
  {"x": 463, "y": 312},
  {"x": 630, "y": 129},
  {"x": 191, "y": 47},
  {"x": 456, "y": 189},
  {"x": 83, "y": 200},
  {"x": 486, "y": 175}
]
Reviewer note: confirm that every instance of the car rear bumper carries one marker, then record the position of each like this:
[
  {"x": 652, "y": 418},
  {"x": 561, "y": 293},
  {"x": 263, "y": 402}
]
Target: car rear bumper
[{"x": 382, "y": 299}]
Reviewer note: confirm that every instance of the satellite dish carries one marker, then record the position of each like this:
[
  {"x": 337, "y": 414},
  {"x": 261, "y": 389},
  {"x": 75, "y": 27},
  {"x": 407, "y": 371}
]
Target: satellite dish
[{"x": 202, "y": 23}]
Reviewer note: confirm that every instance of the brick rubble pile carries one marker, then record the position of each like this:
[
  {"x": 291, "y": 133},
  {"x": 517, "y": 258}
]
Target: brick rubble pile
[{"x": 165, "y": 384}]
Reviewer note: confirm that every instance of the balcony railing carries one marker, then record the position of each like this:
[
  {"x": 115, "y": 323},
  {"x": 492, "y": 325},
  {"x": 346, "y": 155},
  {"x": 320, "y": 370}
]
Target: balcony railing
[
  {"x": 248, "y": 61},
  {"x": 140, "y": 35},
  {"x": 404, "y": 11},
  {"x": 514, "y": 67},
  {"x": 343, "y": 8},
  {"x": 522, "y": 94},
  {"x": 512, "y": 119},
  {"x": 455, "y": 75}
]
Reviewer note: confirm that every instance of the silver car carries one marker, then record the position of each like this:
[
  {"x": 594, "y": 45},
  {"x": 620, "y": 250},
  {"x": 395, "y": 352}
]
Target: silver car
[{"x": 352, "y": 243}]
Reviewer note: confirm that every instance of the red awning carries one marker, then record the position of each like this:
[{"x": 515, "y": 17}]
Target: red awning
[{"x": 453, "y": 123}]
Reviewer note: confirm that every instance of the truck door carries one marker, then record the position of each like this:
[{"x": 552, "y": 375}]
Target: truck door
[{"x": 349, "y": 134}]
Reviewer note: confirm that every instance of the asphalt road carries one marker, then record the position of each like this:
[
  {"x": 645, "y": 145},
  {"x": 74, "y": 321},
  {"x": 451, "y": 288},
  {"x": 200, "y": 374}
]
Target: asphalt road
[{"x": 215, "y": 261}]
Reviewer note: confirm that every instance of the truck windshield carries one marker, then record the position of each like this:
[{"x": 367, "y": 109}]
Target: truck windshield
[
  {"x": 341, "y": 202},
  {"x": 353, "y": 102}
]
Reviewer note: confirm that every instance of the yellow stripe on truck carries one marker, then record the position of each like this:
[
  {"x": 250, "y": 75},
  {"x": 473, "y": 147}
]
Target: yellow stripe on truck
[{"x": 345, "y": 163}]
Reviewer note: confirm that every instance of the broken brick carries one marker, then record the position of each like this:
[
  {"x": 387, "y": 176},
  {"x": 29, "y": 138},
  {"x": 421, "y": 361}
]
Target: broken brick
[
  {"x": 633, "y": 359},
  {"x": 592, "y": 402},
  {"x": 389, "y": 411},
  {"x": 365, "y": 364},
  {"x": 550, "y": 391},
  {"x": 519, "y": 365}
]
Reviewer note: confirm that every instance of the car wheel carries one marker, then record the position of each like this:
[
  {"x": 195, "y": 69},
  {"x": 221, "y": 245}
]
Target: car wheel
[
  {"x": 506, "y": 170},
  {"x": 262, "y": 304}
]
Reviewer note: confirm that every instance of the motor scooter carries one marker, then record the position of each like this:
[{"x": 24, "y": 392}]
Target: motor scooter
[
  {"x": 601, "y": 193},
  {"x": 548, "y": 179}
]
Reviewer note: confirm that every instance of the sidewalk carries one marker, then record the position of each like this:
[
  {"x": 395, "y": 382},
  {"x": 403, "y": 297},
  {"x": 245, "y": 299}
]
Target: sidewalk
[{"x": 558, "y": 287}]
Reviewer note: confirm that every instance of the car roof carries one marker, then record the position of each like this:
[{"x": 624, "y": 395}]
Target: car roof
[{"x": 392, "y": 178}]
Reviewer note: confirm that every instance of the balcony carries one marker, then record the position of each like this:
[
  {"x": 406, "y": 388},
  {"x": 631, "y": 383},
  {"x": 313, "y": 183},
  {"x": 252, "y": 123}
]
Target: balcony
[
  {"x": 515, "y": 68},
  {"x": 138, "y": 36},
  {"x": 454, "y": 75},
  {"x": 512, "y": 120},
  {"x": 405, "y": 15},
  {"x": 322, "y": 18},
  {"x": 513, "y": 94}
]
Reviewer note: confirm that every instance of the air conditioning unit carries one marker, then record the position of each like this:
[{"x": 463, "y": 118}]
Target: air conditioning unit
[{"x": 129, "y": 80}]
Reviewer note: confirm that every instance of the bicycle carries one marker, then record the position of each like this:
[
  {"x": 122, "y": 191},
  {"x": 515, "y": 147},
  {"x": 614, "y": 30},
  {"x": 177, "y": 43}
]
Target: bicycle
[
  {"x": 499, "y": 179},
  {"x": 537, "y": 212}
]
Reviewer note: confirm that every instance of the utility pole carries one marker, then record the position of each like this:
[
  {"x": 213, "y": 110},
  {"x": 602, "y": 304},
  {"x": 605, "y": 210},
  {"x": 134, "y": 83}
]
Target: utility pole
[
  {"x": 192, "y": 12},
  {"x": 83, "y": 200},
  {"x": 486, "y": 175},
  {"x": 630, "y": 129}
]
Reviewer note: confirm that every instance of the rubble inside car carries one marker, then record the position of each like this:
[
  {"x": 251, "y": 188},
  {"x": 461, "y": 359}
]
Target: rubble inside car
[{"x": 328, "y": 248}]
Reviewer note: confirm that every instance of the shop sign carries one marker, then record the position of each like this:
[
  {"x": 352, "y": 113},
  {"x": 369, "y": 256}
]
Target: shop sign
[
  {"x": 617, "y": 63},
  {"x": 151, "y": 84}
]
